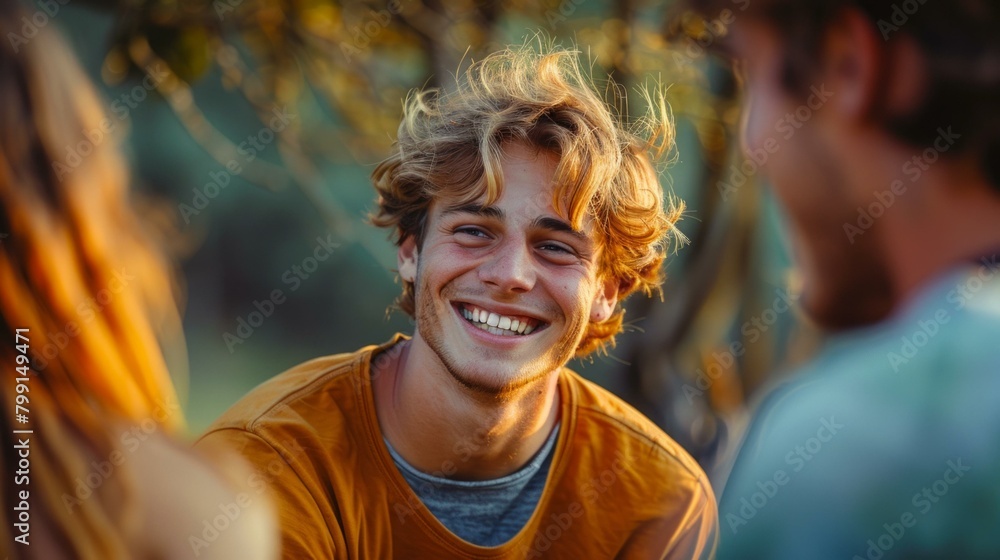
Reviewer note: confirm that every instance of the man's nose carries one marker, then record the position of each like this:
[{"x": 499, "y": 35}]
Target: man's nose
[{"x": 511, "y": 268}]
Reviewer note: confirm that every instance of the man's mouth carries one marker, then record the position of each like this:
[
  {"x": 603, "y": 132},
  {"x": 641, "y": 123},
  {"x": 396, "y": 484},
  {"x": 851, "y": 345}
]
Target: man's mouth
[{"x": 495, "y": 323}]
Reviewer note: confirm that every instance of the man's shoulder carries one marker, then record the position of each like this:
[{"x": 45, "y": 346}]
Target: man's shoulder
[
  {"x": 336, "y": 379},
  {"x": 900, "y": 386},
  {"x": 611, "y": 424},
  {"x": 880, "y": 414},
  {"x": 943, "y": 345}
]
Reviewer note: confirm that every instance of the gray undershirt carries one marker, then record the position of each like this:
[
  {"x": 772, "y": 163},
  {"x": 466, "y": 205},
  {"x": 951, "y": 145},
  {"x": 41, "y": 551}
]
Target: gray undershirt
[{"x": 483, "y": 512}]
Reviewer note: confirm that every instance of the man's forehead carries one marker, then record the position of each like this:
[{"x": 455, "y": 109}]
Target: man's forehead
[{"x": 536, "y": 203}]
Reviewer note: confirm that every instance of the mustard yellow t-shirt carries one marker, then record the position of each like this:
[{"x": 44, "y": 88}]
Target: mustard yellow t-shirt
[{"x": 618, "y": 487}]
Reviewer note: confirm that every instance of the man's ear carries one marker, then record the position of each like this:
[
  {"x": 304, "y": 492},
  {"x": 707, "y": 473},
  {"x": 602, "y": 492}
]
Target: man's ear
[
  {"x": 406, "y": 259},
  {"x": 854, "y": 65},
  {"x": 604, "y": 301}
]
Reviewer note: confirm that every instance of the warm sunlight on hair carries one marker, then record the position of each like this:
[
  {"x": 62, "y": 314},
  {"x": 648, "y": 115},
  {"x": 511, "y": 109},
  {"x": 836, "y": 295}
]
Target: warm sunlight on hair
[{"x": 450, "y": 143}]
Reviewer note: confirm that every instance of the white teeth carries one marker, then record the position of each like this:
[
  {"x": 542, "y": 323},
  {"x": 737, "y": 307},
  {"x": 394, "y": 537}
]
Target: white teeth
[
  {"x": 495, "y": 323},
  {"x": 494, "y": 330}
]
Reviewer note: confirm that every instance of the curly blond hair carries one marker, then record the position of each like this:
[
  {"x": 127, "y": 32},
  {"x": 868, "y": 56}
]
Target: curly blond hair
[{"x": 450, "y": 143}]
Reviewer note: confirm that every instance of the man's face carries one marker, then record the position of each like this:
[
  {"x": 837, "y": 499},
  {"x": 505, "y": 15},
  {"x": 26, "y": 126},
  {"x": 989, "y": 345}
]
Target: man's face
[
  {"x": 504, "y": 292},
  {"x": 797, "y": 143}
]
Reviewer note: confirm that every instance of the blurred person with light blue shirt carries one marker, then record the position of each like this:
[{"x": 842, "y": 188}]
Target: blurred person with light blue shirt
[{"x": 886, "y": 445}]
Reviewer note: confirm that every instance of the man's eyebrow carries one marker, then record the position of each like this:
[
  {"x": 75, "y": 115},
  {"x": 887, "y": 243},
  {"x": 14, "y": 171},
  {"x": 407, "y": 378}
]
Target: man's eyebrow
[
  {"x": 556, "y": 224},
  {"x": 477, "y": 209}
]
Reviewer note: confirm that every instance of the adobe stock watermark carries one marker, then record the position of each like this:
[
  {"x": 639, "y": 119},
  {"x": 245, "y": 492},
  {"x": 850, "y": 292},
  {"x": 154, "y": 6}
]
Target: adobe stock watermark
[
  {"x": 555, "y": 526},
  {"x": 922, "y": 502},
  {"x": 86, "y": 311},
  {"x": 248, "y": 150},
  {"x": 797, "y": 459},
  {"x": 223, "y": 7},
  {"x": 462, "y": 451},
  {"x": 752, "y": 330},
  {"x": 293, "y": 277},
  {"x": 715, "y": 30},
  {"x": 913, "y": 169},
  {"x": 121, "y": 107},
  {"x": 965, "y": 290},
  {"x": 931, "y": 325},
  {"x": 363, "y": 35},
  {"x": 129, "y": 442},
  {"x": 900, "y": 15},
  {"x": 258, "y": 482},
  {"x": 33, "y": 23},
  {"x": 562, "y": 12},
  {"x": 558, "y": 523},
  {"x": 785, "y": 129}
]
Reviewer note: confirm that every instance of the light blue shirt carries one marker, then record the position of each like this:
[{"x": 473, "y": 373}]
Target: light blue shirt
[{"x": 887, "y": 445}]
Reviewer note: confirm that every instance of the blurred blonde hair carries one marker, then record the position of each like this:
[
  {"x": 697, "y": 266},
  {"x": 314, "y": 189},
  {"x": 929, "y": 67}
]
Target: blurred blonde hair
[
  {"x": 450, "y": 144},
  {"x": 81, "y": 272}
]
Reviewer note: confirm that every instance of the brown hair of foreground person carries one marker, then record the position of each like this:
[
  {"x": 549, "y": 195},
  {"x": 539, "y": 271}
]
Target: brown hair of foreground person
[
  {"x": 960, "y": 64},
  {"x": 83, "y": 281}
]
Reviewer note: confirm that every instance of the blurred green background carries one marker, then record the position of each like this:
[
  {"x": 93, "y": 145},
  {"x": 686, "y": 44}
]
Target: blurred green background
[{"x": 341, "y": 70}]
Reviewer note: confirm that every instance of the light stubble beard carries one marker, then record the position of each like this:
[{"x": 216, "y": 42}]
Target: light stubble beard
[
  {"x": 498, "y": 388},
  {"x": 856, "y": 287}
]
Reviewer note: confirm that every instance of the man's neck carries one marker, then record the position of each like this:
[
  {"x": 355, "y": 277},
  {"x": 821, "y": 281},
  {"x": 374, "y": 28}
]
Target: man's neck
[
  {"x": 444, "y": 428},
  {"x": 952, "y": 220}
]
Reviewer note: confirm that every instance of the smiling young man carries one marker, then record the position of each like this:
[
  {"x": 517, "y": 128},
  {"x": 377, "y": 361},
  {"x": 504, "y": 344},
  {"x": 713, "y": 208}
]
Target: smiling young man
[
  {"x": 885, "y": 446},
  {"x": 523, "y": 212}
]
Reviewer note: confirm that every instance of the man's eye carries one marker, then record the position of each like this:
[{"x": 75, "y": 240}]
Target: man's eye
[
  {"x": 553, "y": 247},
  {"x": 469, "y": 230}
]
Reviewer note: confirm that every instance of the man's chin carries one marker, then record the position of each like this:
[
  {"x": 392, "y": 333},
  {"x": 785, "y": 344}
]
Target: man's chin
[
  {"x": 496, "y": 384},
  {"x": 836, "y": 313}
]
